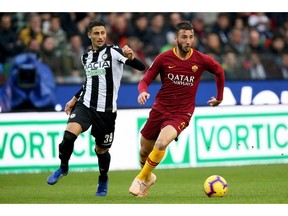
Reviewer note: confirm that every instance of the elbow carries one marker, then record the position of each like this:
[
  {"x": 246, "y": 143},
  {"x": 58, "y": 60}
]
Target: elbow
[{"x": 142, "y": 68}]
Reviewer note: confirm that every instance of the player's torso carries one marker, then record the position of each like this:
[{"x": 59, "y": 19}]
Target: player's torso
[
  {"x": 103, "y": 76},
  {"x": 180, "y": 80},
  {"x": 181, "y": 74}
]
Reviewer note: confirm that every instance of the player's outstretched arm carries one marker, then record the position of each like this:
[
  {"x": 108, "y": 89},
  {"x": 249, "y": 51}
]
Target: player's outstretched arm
[
  {"x": 213, "y": 102},
  {"x": 143, "y": 97}
]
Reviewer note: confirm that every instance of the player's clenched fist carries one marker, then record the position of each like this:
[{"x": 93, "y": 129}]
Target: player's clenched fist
[{"x": 128, "y": 52}]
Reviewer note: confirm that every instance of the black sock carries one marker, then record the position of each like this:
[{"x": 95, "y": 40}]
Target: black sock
[
  {"x": 104, "y": 163},
  {"x": 66, "y": 148}
]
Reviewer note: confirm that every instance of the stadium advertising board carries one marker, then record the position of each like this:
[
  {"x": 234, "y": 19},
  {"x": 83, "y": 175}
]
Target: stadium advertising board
[
  {"x": 216, "y": 136},
  {"x": 235, "y": 93}
]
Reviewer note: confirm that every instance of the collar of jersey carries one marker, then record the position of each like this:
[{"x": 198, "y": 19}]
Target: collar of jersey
[{"x": 100, "y": 49}]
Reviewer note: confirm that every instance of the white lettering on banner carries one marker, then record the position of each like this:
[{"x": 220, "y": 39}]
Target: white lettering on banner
[{"x": 261, "y": 98}]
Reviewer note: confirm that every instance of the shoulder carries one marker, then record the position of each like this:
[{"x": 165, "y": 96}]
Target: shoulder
[
  {"x": 87, "y": 51},
  {"x": 164, "y": 55},
  {"x": 167, "y": 53},
  {"x": 202, "y": 56},
  {"x": 115, "y": 48}
]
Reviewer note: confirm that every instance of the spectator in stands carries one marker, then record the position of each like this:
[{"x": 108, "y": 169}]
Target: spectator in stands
[
  {"x": 199, "y": 31},
  {"x": 73, "y": 64},
  {"x": 50, "y": 56},
  {"x": 174, "y": 18},
  {"x": 256, "y": 67},
  {"x": 82, "y": 26},
  {"x": 170, "y": 43},
  {"x": 46, "y": 21},
  {"x": 119, "y": 30},
  {"x": 69, "y": 23},
  {"x": 255, "y": 43},
  {"x": 9, "y": 43},
  {"x": 283, "y": 28},
  {"x": 237, "y": 42},
  {"x": 10, "y": 46},
  {"x": 33, "y": 30},
  {"x": 34, "y": 46},
  {"x": 213, "y": 46},
  {"x": 157, "y": 35},
  {"x": 130, "y": 74},
  {"x": 284, "y": 65},
  {"x": 58, "y": 34},
  {"x": 140, "y": 29},
  {"x": 233, "y": 67},
  {"x": 276, "y": 48},
  {"x": 222, "y": 27},
  {"x": 261, "y": 23}
]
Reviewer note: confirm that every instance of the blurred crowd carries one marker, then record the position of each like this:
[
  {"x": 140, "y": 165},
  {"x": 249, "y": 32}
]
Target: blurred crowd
[{"x": 248, "y": 45}]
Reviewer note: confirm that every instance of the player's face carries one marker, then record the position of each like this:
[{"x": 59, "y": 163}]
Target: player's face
[
  {"x": 97, "y": 36},
  {"x": 184, "y": 40}
]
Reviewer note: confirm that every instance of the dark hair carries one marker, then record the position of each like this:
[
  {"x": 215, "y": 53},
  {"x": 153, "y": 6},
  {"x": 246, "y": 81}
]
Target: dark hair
[
  {"x": 94, "y": 23},
  {"x": 186, "y": 25}
]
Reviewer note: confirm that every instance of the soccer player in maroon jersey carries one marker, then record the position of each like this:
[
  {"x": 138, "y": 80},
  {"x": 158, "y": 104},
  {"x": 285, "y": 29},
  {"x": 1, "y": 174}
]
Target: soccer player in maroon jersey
[{"x": 180, "y": 69}]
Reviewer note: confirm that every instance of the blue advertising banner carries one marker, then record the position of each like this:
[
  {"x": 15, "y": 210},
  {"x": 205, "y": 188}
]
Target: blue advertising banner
[{"x": 235, "y": 93}]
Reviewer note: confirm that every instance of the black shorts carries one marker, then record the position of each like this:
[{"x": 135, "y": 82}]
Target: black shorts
[{"x": 103, "y": 123}]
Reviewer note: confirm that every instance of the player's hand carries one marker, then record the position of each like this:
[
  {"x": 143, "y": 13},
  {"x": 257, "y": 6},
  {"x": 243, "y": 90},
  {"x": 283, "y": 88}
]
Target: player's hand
[
  {"x": 69, "y": 105},
  {"x": 128, "y": 52},
  {"x": 213, "y": 102},
  {"x": 143, "y": 97}
]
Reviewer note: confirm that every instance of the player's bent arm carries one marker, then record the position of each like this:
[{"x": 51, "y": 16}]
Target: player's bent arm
[{"x": 135, "y": 63}]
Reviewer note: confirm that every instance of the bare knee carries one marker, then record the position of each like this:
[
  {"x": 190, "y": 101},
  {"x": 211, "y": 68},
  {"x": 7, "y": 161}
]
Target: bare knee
[
  {"x": 99, "y": 150},
  {"x": 161, "y": 144}
]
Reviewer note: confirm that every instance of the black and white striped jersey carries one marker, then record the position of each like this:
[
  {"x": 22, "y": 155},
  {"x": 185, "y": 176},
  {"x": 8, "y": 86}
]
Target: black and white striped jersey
[{"x": 103, "y": 73}]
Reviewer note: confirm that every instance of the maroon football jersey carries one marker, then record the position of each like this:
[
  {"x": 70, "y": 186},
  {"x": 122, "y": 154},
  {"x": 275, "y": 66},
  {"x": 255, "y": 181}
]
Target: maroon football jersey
[{"x": 180, "y": 80}]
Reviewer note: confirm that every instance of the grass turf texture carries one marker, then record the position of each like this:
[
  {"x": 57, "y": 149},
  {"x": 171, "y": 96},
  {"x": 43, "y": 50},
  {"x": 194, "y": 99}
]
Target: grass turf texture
[{"x": 253, "y": 184}]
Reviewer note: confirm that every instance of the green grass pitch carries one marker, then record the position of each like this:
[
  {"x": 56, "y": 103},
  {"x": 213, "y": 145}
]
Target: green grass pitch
[{"x": 253, "y": 184}]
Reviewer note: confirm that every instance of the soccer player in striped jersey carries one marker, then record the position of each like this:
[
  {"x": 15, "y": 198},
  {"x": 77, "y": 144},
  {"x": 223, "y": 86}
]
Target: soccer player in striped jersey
[
  {"x": 95, "y": 103},
  {"x": 180, "y": 70}
]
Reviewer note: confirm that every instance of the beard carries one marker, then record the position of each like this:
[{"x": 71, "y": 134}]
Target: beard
[{"x": 183, "y": 49}]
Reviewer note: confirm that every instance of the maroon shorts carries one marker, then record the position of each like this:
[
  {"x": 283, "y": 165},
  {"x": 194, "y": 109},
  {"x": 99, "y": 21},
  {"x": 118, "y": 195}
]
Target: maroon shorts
[{"x": 157, "y": 121}]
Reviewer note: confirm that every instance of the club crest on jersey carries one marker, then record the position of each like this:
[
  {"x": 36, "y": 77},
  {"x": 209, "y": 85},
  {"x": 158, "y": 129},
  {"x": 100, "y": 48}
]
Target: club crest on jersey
[
  {"x": 194, "y": 68},
  {"x": 72, "y": 115},
  {"x": 104, "y": 56}
]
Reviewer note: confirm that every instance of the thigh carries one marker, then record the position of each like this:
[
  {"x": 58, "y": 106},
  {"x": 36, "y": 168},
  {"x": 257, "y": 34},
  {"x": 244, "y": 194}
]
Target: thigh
[
  {"x": 103, "y": 128},
  {"x": 152, "y": 127},
  {"x": 166, "y": 136},
  {"x": 81, "y": 116},
  {"x": 177, "y": 121}
]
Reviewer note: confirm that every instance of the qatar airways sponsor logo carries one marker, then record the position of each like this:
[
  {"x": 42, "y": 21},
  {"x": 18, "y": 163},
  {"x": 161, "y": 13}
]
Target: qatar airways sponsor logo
[{"x": 181, "y": 79}]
